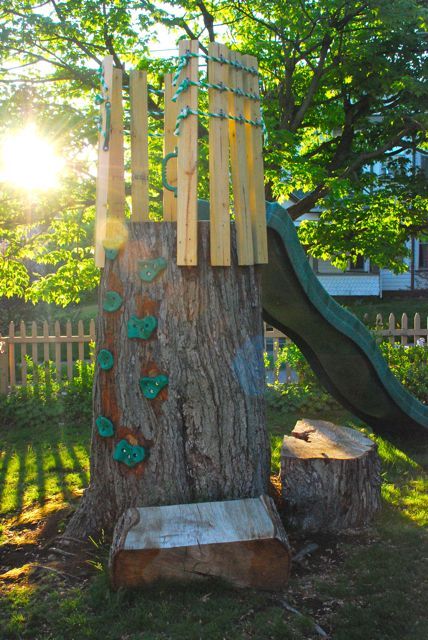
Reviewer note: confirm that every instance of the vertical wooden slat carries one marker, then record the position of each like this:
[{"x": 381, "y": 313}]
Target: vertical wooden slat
[
  {"x": 219, "y": 161},
  {"x": 187, "y": 168},
  {"x": 92, "y": 336},
  {"x": 58, "y": 350},
  {"x": 391, "y": 327},
  {"x": 80, "y": 333},
  {"x": 416, "y": 327},
  {"x": 69, "y": 351},
  {"x": 116, "y": 183},
  {"x": 239, "y": 169},
  {"x": 103, "y": 170},
  {"x": 169, "y": 145},
  {"x": 4, "y": 366},
  {"x": 275, "y": 359},
  {"x": 22, "y": 333},
  {"x": 139, "y": 146},
  {"x": 46, "y": 356},
  {"x": 12, "y": 375},
  {"x": 34, "y": 347},
  {"x": 255, "y": 160},
  {"x": 404, "y": 325}
]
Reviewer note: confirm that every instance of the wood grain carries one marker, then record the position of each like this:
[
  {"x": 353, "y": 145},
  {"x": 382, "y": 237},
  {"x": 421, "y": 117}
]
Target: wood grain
[
  {"x": 219, "y": 161},
  {"x": 240, "y": 541},
  {"x": 187, "y": 172},
  {"x": 103, "y": 170},
  {"x": 139, "y": 146},
  {"x": 169, "y": 145}
]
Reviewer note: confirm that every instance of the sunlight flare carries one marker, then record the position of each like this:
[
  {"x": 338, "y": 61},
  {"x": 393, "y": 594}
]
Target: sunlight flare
[{"x": 29, "y": 161}]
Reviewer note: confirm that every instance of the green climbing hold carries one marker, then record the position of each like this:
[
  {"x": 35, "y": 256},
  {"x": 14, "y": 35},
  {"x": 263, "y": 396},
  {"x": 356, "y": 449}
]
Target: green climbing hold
[
  {"x": 129, "y": 454},
  {"x": 105, "y": 359},
  {"x": 105, "y": 427},
  {"x": 141, "y": 327},
  {"x": 149, "y": 269},
  {"x": 112, "y": 301},
  {"x": 151, "y": 386},
  {"x": 111, "y": 254}
]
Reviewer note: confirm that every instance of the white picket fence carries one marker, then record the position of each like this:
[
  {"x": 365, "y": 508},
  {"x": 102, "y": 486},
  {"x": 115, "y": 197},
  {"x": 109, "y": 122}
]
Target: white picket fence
[{"x": 45, "y": 342}]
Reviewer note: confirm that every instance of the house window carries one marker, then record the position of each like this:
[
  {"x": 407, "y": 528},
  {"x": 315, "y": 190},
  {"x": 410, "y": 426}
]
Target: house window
[
  {"x": 423, "y": 255},
  {"x": 358, "y": 264},
  {"x": 325, "y": 267}
]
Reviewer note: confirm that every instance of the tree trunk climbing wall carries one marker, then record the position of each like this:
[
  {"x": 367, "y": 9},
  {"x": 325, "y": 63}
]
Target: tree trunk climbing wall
[{"x": 178, "y": 392}]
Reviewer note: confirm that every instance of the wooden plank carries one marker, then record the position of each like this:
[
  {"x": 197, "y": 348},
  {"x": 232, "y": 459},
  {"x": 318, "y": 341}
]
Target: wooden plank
[
  {"x": 187, "y": 167},
  {"x": 116, "y": 183},
  {"x": 169, "y": 145},
  {"x": 12, "y": 375},
  {"x": 22, "y": 333},
  {"x": 4, "y": 366},
  {"x": 46, "y": 341},
  {"x": 255, "y": 163},
  {"x": 139, "y": 146},
  {"x": 391, "y": 327},
  {"x": 57, "y": 330},
  {"x": 34, "y": 347},
  {"x": 81, "y": 344},
  {"x": 404, "y": 327},
  {"x": 92, "y": 336},
  {"x": 219, "y": 160},
  {"x": 103, "y": 169},
  {"x": 417, "y": 326},
  {"x": 239, "y": 168},
  {"x": 69, "y": 350},
  {"x": 241, "y": 541}
]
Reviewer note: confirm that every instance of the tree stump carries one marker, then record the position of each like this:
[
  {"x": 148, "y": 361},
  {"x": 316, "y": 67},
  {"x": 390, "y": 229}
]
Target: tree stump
[
  {"x": 240, "y": 541},
  {"x": 179, "y": 384},
  {"x": 330, "y": 477}
]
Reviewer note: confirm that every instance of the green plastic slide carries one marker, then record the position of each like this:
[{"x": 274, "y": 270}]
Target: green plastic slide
[{"x": 337, "y": 345}]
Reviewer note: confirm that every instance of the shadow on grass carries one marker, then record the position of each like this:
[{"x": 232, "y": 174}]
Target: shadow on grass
[{"x": 40, "y": 464}]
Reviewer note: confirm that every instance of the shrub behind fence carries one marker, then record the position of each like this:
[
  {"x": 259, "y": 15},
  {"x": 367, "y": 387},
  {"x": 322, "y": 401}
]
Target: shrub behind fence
[{"x": 44, "y": 342}]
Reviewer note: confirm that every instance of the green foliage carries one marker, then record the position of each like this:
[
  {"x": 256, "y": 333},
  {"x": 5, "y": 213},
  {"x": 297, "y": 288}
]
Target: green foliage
[
  {"x": 45, "y": 398},
  {"x": 410, "y": 365},
  {"x": 342, "y": 86}
]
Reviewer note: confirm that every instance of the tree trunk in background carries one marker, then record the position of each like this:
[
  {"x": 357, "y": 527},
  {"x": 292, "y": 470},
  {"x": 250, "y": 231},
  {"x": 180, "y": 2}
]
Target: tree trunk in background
[{"x": 206, "y": 429}]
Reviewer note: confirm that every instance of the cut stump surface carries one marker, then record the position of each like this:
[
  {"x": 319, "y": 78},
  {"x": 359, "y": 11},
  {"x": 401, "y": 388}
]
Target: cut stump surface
[
  {"x": 330, "y": 477},
  {"x": 240, "y": 541}
]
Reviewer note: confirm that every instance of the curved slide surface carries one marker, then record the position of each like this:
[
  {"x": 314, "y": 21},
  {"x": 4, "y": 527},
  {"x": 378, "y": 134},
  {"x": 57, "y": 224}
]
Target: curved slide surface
[{"x": 339, "y": 348}]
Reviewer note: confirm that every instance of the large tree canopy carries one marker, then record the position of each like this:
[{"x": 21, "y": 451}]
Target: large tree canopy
[{"x": 343, "y": 83}]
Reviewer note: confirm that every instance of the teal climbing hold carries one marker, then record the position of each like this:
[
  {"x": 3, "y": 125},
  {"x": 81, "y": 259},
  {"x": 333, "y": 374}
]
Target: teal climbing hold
[
  {"x": 105, "y": 427},
  {"x": 129, "y": 454},
  {"x": 105, "y": 359},
  {"x": 141, "y": 327},
  {"x": 111, "y": 254},
  {"x": 149, "y": 269},
  {"x": 112, "y": 301},
  {"x": 151, "y": 386}
]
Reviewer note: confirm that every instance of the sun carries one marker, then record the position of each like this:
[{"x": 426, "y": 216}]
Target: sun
[{"x": 28, "y": 161}]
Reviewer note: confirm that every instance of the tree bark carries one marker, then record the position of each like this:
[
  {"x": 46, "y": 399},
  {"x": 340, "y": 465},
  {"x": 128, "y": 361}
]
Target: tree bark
[
  {"x": 205, "y": 430},
  {"x": 240, "y": 541},
  {"x": 330, "y": 477}
]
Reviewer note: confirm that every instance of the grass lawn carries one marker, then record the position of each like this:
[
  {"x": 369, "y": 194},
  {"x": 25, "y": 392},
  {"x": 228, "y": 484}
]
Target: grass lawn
[{"x": 370, "y": 585}]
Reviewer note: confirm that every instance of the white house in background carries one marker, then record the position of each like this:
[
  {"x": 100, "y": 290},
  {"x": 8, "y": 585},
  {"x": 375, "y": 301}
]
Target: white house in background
[{"x": 364, "y": 278}]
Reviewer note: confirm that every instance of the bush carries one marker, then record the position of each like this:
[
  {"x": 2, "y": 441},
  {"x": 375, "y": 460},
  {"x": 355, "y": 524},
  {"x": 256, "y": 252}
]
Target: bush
[
  {"x": 410, "y": 365},
  {"x": 45, "y": 398},
  {"x": 307, "y": 395}
]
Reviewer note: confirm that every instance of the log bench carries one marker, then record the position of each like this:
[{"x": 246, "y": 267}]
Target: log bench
[
  {"x": 330, "y": 477},
  {"x": 240, "y": 541}
]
